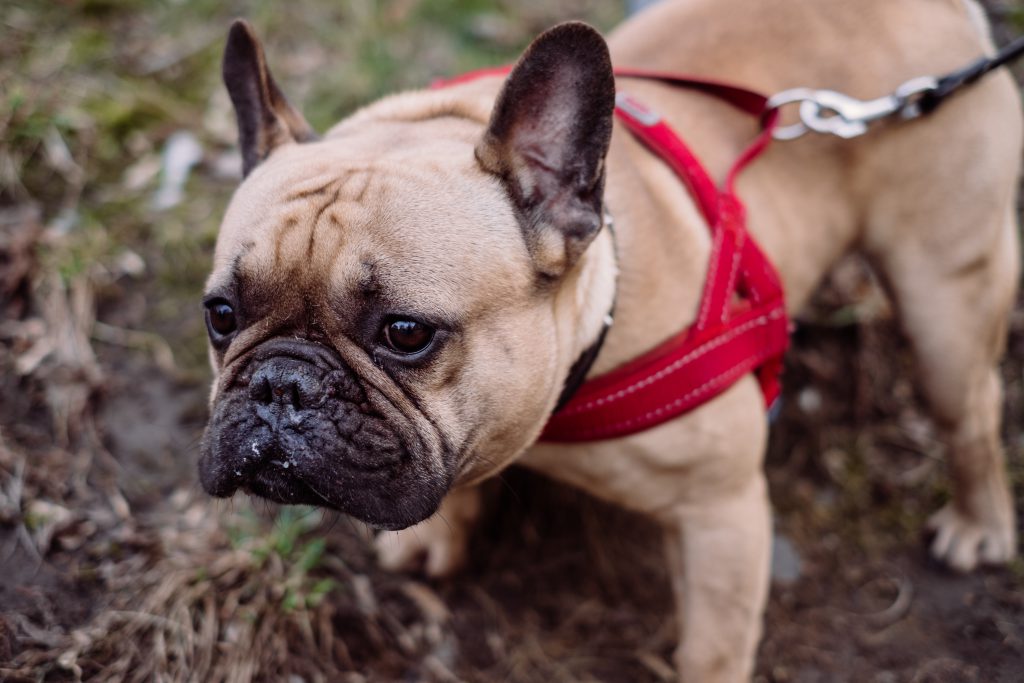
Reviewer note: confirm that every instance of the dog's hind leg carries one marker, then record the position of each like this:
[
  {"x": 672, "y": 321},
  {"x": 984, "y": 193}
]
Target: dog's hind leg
[
  {"x": 940, "y": 225},
  {"x": 954, "y": 297}
]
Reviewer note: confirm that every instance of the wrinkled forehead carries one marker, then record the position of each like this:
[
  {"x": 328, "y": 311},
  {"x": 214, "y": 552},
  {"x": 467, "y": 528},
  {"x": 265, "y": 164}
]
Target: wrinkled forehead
[{"x": 400, "y": 219}]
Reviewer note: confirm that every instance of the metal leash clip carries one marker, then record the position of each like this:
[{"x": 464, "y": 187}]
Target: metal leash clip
[{"x": 833, "y": 113}]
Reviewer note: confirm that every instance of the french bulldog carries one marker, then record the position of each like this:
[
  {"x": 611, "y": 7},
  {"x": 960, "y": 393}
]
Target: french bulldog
[{"x": 395, "y": 307}]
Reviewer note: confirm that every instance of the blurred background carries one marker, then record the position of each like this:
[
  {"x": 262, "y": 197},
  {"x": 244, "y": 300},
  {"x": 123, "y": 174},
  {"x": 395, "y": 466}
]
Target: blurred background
[{"x": 117, "y": 159}]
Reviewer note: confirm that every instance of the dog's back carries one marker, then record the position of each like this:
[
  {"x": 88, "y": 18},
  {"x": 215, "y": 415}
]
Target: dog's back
[
  {"x": 776, "y": 44},
  {"x": 864, "y": 49}
]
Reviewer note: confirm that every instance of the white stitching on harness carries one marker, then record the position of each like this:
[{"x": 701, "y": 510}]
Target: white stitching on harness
[
  {"x": 740, "y": 240},
  {"x": 685, "y": 360},
  {"x": 716, "y": 247},
  {"x": 703, "y": 388}
]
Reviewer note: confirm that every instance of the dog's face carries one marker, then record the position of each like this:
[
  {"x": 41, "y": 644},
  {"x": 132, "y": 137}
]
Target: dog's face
[{"x": 389, "y": 306}]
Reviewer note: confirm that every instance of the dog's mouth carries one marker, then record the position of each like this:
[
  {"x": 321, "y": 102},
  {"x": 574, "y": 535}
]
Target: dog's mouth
[
  {"x": 274, "y": 483},
  {"x": 280, "y": 482},
  {"x": 295, "y": 429}
]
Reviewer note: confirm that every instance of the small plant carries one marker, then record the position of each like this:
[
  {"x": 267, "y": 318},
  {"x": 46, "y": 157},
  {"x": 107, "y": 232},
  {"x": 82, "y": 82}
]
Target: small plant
[{"x": 288, "y": 544}]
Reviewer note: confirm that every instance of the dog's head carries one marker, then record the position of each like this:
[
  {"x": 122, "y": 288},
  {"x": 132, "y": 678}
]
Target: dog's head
[{"x": 394, "y": 308}]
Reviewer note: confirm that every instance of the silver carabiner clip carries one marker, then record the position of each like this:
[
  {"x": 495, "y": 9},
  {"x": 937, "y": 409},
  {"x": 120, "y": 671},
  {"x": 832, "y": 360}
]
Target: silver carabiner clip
[
  {"x": 830, "y": 112},
  {"x": 780, "y": 100},
  {"x": 833, "y": 113}
]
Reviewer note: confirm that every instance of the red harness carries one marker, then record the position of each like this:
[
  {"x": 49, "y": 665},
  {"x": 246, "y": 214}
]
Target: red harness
[{"x": 741, "y": 324}]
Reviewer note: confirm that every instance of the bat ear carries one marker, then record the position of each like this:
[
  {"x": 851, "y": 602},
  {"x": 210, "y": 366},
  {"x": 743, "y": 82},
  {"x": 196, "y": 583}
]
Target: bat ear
[
  {"x": 265, "y": 118},
  {"x": 547, "y": 139}
]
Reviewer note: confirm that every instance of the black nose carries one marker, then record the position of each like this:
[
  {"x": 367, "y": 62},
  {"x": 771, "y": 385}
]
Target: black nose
[{"x": 286, "y": 381}]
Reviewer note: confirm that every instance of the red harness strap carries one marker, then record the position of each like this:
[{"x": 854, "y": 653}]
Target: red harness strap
[{"x": 741, "y": 324}]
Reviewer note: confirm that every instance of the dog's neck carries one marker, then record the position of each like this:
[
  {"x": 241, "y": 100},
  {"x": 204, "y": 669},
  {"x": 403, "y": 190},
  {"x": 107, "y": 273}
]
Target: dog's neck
[{"x": 584, "y": 362}]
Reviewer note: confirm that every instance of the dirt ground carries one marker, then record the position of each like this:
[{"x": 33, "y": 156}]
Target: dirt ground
[{"x": 115, "y": 566}]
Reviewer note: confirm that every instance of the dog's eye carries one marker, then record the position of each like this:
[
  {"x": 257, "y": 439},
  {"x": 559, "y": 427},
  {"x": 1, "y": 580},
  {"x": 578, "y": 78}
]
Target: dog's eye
[
  {"x": 220, "y": 319},
  {"x": 407, "y": 336}
]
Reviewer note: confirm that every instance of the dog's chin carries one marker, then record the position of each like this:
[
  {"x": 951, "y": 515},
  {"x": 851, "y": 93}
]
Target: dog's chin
[
  {"x": 295, "y": 470},
  {"x": 288, "y": 490},
  {"x": 393, "y": 497},
  {"x": 373, "y": 507}
]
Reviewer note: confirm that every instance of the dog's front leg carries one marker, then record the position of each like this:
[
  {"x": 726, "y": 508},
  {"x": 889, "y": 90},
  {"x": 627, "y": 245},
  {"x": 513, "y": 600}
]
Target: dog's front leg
[
  {"x": 718, "y": 553},
  {"x": 700, "y": 477},
  {"x": 441, "y": 540}
]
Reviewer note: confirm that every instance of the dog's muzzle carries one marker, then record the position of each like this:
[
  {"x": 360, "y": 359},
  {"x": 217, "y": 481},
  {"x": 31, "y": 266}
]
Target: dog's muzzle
[{"x": 296, "y": 426}]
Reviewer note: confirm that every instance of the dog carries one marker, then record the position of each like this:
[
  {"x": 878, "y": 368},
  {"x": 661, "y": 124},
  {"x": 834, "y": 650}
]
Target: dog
[{"x": 394, "y": 307}]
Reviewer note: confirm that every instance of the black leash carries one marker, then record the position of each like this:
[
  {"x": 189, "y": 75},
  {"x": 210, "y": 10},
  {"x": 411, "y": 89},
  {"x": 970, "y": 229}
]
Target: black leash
[{"x": 950, "y": 83}]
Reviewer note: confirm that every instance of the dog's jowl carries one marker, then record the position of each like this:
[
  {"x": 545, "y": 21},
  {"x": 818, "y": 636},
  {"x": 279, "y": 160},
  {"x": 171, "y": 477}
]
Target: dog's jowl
[{"x": 395, "y": 307}]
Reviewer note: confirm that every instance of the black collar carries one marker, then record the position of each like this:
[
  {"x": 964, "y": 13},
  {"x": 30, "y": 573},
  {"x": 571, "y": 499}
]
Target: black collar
[{"x": 578, "y": 371}]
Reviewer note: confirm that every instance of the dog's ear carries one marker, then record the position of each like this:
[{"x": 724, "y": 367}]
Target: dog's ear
[
  {"x": 265, "y": 118},
  {"x": 547, "y": 140}
]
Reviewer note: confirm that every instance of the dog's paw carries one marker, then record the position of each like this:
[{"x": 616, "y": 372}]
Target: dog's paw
[
  {"x": 441, "y": 549},
  {"x": 962, "y": 543}
]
